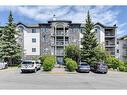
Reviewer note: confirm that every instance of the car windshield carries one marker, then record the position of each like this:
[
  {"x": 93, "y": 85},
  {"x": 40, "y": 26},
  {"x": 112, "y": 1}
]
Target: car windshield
[
  {"x": 84, "y": 64},
  {"x": 28, "y": 63}
]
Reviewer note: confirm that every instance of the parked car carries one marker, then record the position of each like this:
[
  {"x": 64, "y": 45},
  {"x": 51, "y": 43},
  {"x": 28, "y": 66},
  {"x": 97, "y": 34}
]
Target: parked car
[
  {"x": 3, "y": 65},
  {"x": 29, "y": 65},
  {"x": 100, "y": 67},
  {"x": 83, "y": 67}
]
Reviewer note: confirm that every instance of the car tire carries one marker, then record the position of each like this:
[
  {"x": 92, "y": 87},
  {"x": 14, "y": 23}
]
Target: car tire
[
  {"x": 22, "y": 71},
  {"x": 39, "y": 68}
]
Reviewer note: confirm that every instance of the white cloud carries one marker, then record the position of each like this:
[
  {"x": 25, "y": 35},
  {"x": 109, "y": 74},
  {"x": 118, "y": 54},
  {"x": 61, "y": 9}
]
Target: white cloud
[{"x": 102, "y": 14}]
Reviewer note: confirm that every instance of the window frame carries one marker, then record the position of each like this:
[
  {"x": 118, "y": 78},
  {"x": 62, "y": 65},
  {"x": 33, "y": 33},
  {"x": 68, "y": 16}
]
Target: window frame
[
  {"x": 34, "y": 40},
  {"x": 34, "y": 30},
  {"x": 33, "y": 49}
]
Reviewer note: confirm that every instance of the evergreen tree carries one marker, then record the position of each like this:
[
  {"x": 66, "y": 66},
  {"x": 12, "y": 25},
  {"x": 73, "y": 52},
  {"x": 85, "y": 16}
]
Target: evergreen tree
[
  {"x": 10, "y": 50},
  {"x": 89, "y": 42}
]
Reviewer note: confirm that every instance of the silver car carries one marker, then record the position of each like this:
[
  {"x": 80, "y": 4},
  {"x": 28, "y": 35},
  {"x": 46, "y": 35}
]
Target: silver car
[
  {"x": 29, "y": 65},
  {"x": 83, "y": 67},
  {"x": 3, "y": 65}
]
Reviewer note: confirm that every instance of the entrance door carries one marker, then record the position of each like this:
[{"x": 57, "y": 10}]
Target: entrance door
[{"x": 59, "y": 60}]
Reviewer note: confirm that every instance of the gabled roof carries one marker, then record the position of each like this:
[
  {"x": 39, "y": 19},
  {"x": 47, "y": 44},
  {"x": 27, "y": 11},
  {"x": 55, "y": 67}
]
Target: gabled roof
[
  {"x": 114, "y": 26},
  {"x": 28, "y": 26},
  {"x": 68, "y": 21}
]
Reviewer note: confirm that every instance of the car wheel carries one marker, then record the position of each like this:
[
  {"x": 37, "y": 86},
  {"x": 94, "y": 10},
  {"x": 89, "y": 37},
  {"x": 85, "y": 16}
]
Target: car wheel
[
  {"x": 22, "y": 71},
  {"x": 39, "y": 68}
]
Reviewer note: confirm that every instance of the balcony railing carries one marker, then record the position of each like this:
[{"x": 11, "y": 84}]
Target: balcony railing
[
  {"x": 110, "y": 45},
  {"x": 109, "y": 35},
  {"x": 66, "y": 42},
  {"x": 59, "y": 42},
  {"x": 59, "y": 33},
  {"x": 125, "y": 46},
  {"x": 60, "y": 53}
]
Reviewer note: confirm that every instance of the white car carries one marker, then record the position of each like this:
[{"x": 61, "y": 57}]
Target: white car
[
  {"x": 3, "y": 65},
  {"x": 29, "y": 65}
]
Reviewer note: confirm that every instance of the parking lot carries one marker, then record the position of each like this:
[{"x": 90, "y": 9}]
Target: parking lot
[{"x": 12, "y": 79}]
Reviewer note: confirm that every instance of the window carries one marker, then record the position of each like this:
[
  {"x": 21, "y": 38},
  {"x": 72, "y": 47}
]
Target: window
[
  {"x": 33, "y": 40},
  {"x": 33, "y": 30},
  {"x": 21, "y": 28},
  {"x": 96, "y": 30},
  {"x": 117, "y": 51},
  {"x": 44, "y": 38},
  {"x": 75, "y": 29},
  {"x": 44, "y": 29},
  {"x": 82, "y": 30},
  {"x": 117, "y": 42},
  {"x": 33, "y": 49}
]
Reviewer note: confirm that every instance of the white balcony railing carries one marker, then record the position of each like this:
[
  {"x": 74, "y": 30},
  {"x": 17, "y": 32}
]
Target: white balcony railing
[
  {"x": 59, "y": 33},
  {"x": 60, "y": 53},
  {"x": 59, "y": 42},
  {"x": 110, "y": 45}
]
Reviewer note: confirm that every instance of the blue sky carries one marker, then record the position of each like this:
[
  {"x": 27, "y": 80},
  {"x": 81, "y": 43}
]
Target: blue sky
[{"x": 107, "y": 15}]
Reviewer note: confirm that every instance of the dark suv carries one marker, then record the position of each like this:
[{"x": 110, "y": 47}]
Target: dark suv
[{"x": 99, "y": 67}]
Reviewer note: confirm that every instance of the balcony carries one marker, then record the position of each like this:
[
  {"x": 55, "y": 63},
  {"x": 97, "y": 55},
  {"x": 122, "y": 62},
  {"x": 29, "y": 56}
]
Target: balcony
[
  {"x": 66, "y": 42},
  {"x": 59, "y": 33},
  {"x": 109, "y": 35},
  {"x": 60, "y": 43},
  {"x": 110, "y": 45},
  {"x": 124, "y": 46},
  {"x": 125, "y": 56},
  {"x": 59, "y": 53}
]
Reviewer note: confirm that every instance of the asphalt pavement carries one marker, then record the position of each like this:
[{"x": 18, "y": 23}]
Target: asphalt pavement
[{"x": 13, "y": 79}]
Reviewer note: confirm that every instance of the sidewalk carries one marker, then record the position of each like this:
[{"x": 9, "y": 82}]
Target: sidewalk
[{"x": 60, "y": 70}]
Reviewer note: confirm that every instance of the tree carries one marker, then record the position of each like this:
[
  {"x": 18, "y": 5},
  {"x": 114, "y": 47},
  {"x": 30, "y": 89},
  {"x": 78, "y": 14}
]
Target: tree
[
  {"x": 89, "y": 42},
  {"x": 72, "y": 51},
  {"x": 101, "y": 53},
  {"x": 10, "y": 50}
]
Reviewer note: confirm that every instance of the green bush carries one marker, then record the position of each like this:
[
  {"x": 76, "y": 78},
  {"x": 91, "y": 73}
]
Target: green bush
[
  {"x": 66, "y": 60},
  {"x": 116, "y": 63},
  {"x": 42, "y": 58},
  {"x": 122, "y": 68},
  {"x": 71, "y": 65},
  {"x": 49, "y": 63}
]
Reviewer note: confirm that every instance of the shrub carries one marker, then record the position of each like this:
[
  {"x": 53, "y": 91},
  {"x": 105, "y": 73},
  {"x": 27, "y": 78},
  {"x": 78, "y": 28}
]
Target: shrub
[
  {"x": 66, "y": 60},
  {"x": 122, "y": 68},
  {"x": 49, "y": 63},
  {"x": 71, "y": 65},
  {"x": 116, "y": 63},
  {"x": 42, "y": 58}
]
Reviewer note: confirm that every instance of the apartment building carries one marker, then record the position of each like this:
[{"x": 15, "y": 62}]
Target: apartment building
[
  {"x": 106, "y": 36},
  {"x": 52, "y": 38},
  {"x": 122, "y": 48}
]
